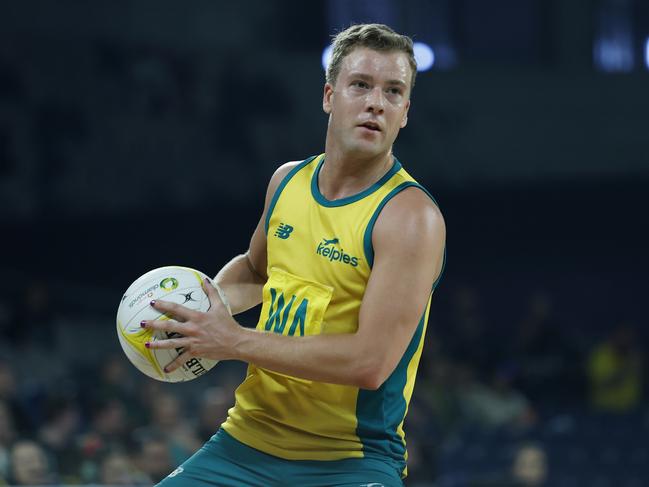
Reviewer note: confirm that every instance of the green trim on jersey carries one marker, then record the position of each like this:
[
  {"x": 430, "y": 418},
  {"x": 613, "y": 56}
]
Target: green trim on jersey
[
  {"x": 281, "y": 186},
  {"x": 367, "y": 238},
  {"x": 315, "y": 190},
  {"x": 373, "y": 416}
]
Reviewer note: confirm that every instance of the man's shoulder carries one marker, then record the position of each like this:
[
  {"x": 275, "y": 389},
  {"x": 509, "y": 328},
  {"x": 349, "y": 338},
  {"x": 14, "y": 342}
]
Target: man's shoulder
[
  {"x": 280, "y": 175},
  {"x": 413, "y": 204},
  {"x": 410, "y": 219},
  {"x": 283, "y": 170}
]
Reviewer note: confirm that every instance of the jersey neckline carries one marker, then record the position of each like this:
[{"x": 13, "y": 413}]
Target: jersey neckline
[{"x": 319, "y": 197}]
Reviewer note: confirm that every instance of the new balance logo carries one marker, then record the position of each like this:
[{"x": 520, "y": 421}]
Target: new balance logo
[
  {"x": 329, "y": 250},
  {"x": 283, "y": 231}
]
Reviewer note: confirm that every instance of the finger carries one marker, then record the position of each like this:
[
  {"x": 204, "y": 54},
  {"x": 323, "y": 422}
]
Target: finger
[
  {"x": 178, "y": 311},
  {"x": 210, "y": 290},
  {"x": 165, "y": 324},
  {"x": 215, "y": 294},
  {"x": 167, "y": 343},
  {"x": 177, "y": 362},
  {"x": 168, "y": 317}
]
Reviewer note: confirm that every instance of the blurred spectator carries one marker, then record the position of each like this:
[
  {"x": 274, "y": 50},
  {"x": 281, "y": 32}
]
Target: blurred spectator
[
  {"x": 7, "y": 435},
  {"x": 117, "y": 469},
  {"x": 58, "y": 434},
  {"x": 117, "y": 382},
  {"x": 9, "y": 395},
  {"x": 110, "y": 421},
  {"x": 543, "y": 351},
  {"x": 169, "y": 423},
  {"x": 148, "y": 393},
  {"x": 214, "y": 406},
  {"x": 29, "y": 465},
  {"x": 153, "y": 457},
  {"x": 529, "y": 469},
  {"x": 498, "y": 404},
  {"x": 615, "y": 372},
  {"x": 109, "y": 429},
  {"x": 438, "y": 393}
]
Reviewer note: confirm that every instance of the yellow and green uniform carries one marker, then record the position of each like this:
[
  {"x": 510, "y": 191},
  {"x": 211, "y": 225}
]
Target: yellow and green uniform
[{"x": 320, "y": 258}]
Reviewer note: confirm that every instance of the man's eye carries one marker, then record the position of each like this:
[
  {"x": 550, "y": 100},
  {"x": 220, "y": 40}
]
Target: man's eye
[
  {"x": 394, "y": 91},
  {"x": 360, "y": 84}
]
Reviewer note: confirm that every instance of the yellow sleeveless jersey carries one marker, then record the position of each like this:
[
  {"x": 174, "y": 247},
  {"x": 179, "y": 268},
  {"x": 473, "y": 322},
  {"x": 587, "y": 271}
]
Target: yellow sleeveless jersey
[{"x": 319, "y": 261}]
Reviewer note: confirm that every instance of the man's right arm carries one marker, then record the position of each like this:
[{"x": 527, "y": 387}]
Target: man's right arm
[{"x": 243, "y": 278}]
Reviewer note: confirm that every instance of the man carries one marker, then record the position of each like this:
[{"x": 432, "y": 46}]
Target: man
[
  {"x": 345, "y": 258},
  {"x": 29, "y": 464}
]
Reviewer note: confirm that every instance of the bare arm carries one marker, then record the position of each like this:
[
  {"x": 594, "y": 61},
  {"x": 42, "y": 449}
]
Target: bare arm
[
  {"x": 242, "y": 279},
  {"x": 241, "y": 284},
  {"x": 408, "y": 242}
]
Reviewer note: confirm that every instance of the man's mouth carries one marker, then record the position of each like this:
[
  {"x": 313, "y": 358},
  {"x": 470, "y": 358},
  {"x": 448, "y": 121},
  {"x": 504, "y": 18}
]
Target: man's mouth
[{"x": 371, "y": 126}]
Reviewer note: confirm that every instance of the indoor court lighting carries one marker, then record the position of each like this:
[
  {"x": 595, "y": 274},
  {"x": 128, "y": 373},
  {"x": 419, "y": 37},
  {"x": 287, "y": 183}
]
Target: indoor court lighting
[{"x": 424, "y": 56}]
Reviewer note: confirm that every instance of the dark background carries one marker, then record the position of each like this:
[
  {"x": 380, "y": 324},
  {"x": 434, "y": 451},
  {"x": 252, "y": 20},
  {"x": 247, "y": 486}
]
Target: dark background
[{"x": 137, "y": 134}]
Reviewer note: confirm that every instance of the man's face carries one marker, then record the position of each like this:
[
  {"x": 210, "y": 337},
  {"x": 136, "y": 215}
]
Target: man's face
[
  {"x": 155, "y": 459},
  {"x": 369, "y": 103},
  {"x": 29, "y": 464}
]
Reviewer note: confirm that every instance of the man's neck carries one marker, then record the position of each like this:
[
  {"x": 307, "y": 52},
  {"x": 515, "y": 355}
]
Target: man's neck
[{"x": 344, "y": 175}]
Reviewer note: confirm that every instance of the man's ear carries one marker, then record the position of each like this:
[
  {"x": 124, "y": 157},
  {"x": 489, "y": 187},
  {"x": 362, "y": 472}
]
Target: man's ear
[
  {"x": 404, "y": 121},
  {"x": 327, "y": 94}
]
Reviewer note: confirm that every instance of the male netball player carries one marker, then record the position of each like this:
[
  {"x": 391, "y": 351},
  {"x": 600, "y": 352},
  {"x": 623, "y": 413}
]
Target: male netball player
[{"x": 344, "y": 259}]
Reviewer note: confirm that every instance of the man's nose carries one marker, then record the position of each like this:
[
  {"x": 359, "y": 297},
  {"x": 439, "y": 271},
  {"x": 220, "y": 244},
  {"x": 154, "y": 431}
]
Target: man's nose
[{"x": 375, "y": 100}]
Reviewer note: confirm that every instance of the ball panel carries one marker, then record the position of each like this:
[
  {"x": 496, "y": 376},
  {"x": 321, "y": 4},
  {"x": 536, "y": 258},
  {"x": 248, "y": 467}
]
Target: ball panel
[
  {"x": 136, "y": 341},
  {"x": 140, "y": 361}
]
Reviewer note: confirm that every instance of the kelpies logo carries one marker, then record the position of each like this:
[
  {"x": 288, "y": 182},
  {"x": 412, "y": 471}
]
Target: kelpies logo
[{"x": 329, "y": 250}]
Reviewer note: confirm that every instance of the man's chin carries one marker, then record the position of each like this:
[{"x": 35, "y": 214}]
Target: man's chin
[{"x": 365, "y": 150}]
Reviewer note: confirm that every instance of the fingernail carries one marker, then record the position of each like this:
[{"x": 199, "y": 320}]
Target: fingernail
[
  {"x": 147, "y": 344},
  {"x": 152, "y": 303},
  {"x": 143, "y": 324},
  {"x": 207, "y": 280},
  {"x": 166, "y": 370}
]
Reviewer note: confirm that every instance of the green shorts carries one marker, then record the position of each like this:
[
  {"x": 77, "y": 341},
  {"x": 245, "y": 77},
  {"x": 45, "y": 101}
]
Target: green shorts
[{"x": 226, "y": 462}]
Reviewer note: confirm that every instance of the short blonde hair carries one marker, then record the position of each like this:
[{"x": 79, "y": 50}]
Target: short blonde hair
[{"x": 379, "y": 37}]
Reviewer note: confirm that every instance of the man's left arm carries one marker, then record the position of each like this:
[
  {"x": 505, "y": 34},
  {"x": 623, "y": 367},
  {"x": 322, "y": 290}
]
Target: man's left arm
[{"x": 408, "y": 240}]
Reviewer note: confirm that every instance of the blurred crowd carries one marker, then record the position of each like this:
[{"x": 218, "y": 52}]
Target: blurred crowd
[
  {"x": 116, "y": 429},
  {"x": 509, "y": 384},
  {"x": 100, "y": 421}
]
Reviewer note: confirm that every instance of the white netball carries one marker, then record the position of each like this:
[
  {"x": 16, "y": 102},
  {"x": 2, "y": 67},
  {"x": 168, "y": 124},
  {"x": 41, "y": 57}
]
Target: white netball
[{"x": 181, "y": 285}]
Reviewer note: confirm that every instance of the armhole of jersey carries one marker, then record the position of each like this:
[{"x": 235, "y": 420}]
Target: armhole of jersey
[
  {"x": 367, "y": 237},
  {"x": 281, "y": 187}
]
